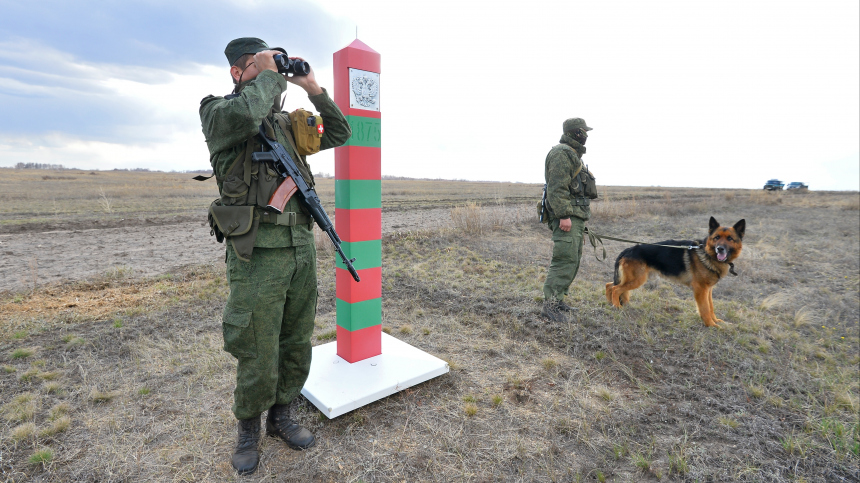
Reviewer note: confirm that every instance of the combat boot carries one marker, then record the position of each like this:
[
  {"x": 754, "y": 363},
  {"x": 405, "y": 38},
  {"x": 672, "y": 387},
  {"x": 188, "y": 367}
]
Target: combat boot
[
  {"x": 247, "y": 454},
  {"x": 278, "y": 423},
  {"x": 565, "y": 308},
  {"x": 552, "y": 311}
]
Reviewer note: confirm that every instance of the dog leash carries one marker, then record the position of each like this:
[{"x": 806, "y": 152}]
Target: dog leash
[{"x": 595, "y": 238}]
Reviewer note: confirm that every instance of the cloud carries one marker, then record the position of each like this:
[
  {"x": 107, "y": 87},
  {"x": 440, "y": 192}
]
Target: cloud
[
  {"x": 164, "y": 34},
  {"x": 679, "y": 93},
  {"x": 82, "y": 69}
]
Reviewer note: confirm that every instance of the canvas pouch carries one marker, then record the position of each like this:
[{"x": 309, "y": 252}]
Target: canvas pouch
[
  {"x": 238, "y": 224},
  {"x": 307, "y": 131},
  {"x": 590, "y": 183}
]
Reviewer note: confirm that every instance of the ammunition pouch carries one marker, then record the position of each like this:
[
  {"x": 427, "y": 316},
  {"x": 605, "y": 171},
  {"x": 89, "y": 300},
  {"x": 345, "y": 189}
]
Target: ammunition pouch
[
  {"x": 262, "y": 181},
  {"x": 238, "y": 224},
  {"x": 590, "y": 184},
  {"x": 234, "y": 191},
  {"x": 583, "y": 188}
]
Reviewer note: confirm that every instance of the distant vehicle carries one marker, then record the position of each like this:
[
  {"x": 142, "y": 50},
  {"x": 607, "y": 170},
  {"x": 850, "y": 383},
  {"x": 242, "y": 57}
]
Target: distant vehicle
[
  {"x": 773, "y": 184},
  {"x": 797, "y": 185}
]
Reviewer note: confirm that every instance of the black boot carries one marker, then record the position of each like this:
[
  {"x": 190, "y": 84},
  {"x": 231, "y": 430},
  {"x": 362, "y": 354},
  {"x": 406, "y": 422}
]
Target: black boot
[
  {"x": 247, "y": 454},
  {"x": 566, "y": 308},
  {"x": 278, "y": 423}
]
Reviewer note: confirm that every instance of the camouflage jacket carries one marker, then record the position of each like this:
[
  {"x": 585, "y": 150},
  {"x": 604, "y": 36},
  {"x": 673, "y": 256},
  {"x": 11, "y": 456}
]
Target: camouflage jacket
[
  {"x": 229, "y": 122},
  {"x": 562, "y": 162}
]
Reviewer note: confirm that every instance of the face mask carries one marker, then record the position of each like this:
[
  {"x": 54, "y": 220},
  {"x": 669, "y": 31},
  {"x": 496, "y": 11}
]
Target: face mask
[{"x": 581, "y": 136}]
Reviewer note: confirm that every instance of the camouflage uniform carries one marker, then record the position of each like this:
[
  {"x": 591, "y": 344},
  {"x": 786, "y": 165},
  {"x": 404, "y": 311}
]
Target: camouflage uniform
[
  {"x": 566, "y": 199},
  {"x": 269, "y": 315}
]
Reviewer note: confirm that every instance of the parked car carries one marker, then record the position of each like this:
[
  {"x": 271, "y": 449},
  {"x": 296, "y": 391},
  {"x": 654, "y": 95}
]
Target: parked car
[
  {"x": 773, "y": 184},
  {"x": 797, "y": 185}
]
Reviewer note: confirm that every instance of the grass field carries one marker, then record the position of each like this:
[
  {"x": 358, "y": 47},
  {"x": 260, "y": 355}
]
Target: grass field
[
  {"x": 124, "y": 378},
  {"x": 32, "y": 198}
]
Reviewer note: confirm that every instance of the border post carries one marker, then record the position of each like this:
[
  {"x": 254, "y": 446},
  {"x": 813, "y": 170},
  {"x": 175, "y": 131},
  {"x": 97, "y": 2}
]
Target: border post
[
  {"x": 363, "y": 365},
  {"x": 358, "y": 202}
]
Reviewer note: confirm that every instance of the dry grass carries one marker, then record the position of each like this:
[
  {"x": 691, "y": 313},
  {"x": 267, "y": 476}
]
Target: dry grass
[
  {"x": 23, "y": 432},
  {"x": 111, "y": 197},
  {"x": 98, "y": 196},
  {"x": 55, "y": 427},
  {"x": 768, "y": 198},
  {"x": 474, "y": 219},
  {"x": 21, "y": 407},
  {"x": 642, "y": 393},
  {"x": 59, "y": 410}
]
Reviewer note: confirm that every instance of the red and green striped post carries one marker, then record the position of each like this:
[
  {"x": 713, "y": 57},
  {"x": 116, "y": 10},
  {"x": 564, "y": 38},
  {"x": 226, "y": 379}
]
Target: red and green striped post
[{"x": 358, "y": 203}]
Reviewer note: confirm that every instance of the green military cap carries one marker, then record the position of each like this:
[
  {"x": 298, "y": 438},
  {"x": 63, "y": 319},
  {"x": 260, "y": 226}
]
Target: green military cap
[
  {"x": 575, "y": 123},
  {"x": 246, "y": 45}
]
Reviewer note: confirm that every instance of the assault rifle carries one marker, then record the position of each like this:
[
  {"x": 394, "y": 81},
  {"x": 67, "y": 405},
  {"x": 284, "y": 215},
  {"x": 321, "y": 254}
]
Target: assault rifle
[{"x": 294, "y": 182}]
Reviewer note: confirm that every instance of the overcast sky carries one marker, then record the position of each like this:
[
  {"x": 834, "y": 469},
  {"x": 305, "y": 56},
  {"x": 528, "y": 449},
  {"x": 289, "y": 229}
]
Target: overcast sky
[{"x": 715, "y": 94}]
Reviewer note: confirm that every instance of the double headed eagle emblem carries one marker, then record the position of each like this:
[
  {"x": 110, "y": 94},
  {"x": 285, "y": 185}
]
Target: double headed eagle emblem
[{"x": 365, "y": 90}]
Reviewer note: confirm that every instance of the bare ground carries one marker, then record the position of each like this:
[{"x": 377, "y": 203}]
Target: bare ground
[{"x": 36, "y": 254}]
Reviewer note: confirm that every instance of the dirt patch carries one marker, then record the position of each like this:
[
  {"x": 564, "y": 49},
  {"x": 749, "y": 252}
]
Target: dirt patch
[{"x": 41, "y": 254}]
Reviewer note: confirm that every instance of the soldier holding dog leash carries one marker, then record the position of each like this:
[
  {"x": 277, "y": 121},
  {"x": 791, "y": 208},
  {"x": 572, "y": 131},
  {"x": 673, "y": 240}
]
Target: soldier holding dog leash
[{"x": 565, "y": 206}]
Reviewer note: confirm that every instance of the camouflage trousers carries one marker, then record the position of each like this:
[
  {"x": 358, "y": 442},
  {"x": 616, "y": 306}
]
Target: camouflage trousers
[
  {"x": 566, "y": 253},
  {"x": 267, "y": 324}
]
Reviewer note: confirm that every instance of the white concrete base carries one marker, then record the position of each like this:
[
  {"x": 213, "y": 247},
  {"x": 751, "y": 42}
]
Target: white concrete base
[{"x": 337, "y": 387}]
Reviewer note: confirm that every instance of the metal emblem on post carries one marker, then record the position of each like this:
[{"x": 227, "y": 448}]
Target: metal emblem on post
[{"x": 363, "y": 89}]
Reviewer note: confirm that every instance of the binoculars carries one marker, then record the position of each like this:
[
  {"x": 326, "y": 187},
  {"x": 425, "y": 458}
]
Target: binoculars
[{"x": 287, "y": 65}]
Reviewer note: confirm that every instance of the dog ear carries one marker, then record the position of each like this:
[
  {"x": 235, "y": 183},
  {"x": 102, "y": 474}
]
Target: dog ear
[
  {"x": 740, "y": 227},
  {"x": 713, "y": 225}
]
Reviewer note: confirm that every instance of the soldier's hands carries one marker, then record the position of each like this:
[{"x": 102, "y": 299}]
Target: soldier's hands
[
  {"x": 265, "y": 60},
  {"x": 564, "y": 224},
  {"x": 306, "y": 82}
]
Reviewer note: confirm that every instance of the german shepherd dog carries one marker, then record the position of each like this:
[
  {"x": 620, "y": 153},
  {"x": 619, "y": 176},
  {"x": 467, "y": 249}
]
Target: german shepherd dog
[{"x": 699, "y": 268}]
